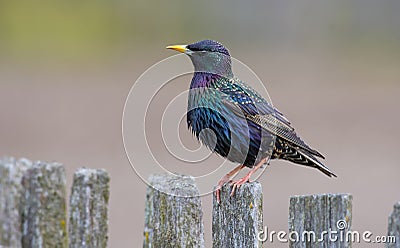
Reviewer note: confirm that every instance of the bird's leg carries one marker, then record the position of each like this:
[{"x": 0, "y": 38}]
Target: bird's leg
[
  {"x": 240, "y": 182},
  {"x": 225, "y": 179}
]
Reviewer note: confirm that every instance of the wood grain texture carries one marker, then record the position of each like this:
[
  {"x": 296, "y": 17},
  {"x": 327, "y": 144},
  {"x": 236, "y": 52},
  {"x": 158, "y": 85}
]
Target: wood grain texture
[
  {"x": 173, "y": 214},
  {"x": 312, "y": 215},
  {"x": 238, "y": 219},
  {"x": 88, "y": 214},
  {"x": 394, "y": 227}
]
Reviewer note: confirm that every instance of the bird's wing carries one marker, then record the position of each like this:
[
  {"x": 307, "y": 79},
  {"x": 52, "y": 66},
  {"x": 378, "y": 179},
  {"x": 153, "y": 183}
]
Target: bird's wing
[
  {"x": 247, "y": 103},
  {"x": 249, "y": 98}
]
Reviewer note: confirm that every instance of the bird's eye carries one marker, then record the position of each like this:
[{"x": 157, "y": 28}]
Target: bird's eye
[
  {"x": 194, "y": 49},
  {"x": 200, "y": 53}
]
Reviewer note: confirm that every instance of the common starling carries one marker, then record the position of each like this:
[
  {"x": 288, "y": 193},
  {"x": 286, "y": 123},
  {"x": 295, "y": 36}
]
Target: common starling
[{"x": 246, "y": 129}]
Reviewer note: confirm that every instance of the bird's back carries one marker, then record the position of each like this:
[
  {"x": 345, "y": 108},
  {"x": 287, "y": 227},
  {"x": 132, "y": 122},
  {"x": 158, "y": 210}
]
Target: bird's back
[{"x": 243, "y": 126}]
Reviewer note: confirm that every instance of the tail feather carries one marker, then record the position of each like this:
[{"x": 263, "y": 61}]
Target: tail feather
[
  {"x": 303, "y": 157},
  {"x": 312, "y": 161}
]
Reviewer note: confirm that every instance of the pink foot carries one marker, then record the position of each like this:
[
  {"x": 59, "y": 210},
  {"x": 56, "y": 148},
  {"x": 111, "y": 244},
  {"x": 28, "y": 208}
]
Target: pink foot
[
  {"x": 219, "y": 187},
  {"x": 240, "y": 182},
  {"x": 225, "y": 179}
]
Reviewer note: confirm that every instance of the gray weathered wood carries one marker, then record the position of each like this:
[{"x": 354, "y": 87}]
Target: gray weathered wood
[
  {"x": 43, "y": 206},
  {"x": 394, "y": 227},
  {"x": 173, "y": 215},
  {"x": 11, "y": 173},
  {"x": 88, "y": 214},
  {"x": 314, "y": 214},
  {"x": 237, "y": 220}
]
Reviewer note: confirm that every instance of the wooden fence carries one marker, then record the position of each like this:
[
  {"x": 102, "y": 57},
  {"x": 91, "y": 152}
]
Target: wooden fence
[
  {"x": 314, "y": 220},
  {"x": 33, "y": 204},
  {"x": 33, "y": 212}
]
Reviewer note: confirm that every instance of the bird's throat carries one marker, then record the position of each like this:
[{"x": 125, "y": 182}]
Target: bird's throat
[{"x": 203, "y": 80}]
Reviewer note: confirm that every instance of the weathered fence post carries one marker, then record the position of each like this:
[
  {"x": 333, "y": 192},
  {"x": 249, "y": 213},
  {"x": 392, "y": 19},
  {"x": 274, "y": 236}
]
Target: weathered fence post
[
  {"x": 173, "y": 215},
  {"x": 238, "y": 219},
  {"x": 317, "y": 220},
  {"x": 394, "y": 227},
  {"x": 43, "y": 206},
  {"x": 88, "y": 214},
  {"x": 11, "y": 190}
]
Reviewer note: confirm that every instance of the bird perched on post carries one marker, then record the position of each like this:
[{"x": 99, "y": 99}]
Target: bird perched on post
[{"x": 233, "y": 120}]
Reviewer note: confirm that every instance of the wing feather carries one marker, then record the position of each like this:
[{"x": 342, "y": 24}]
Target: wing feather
[{"x": 247, "y": 103}]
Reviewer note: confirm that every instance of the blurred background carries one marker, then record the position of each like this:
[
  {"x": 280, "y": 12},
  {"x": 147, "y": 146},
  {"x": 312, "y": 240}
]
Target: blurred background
[{"x": 66, "y": 68}]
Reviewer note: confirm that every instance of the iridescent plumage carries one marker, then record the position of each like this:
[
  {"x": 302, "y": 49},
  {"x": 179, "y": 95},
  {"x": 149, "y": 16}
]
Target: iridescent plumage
[{"x": 232, "y": 119}]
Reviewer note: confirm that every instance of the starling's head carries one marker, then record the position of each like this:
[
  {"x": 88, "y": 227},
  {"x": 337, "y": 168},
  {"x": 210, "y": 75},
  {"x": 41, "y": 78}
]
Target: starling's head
[
  {"x": 208, "y": 56},
  {"x": 208, "y": 46}
]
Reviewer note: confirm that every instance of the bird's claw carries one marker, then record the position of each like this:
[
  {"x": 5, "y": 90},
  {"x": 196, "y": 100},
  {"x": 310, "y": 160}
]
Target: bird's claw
[
  {"x": 225, "y": 179},
  {"x": 237, "y": 184},
  {"x": 217, "y": 194},
  {"x": 221, "y": 183}
]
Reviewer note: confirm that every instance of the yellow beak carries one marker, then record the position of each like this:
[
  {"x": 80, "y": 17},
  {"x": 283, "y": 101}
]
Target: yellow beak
[{"x": 179, "y": 48}]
